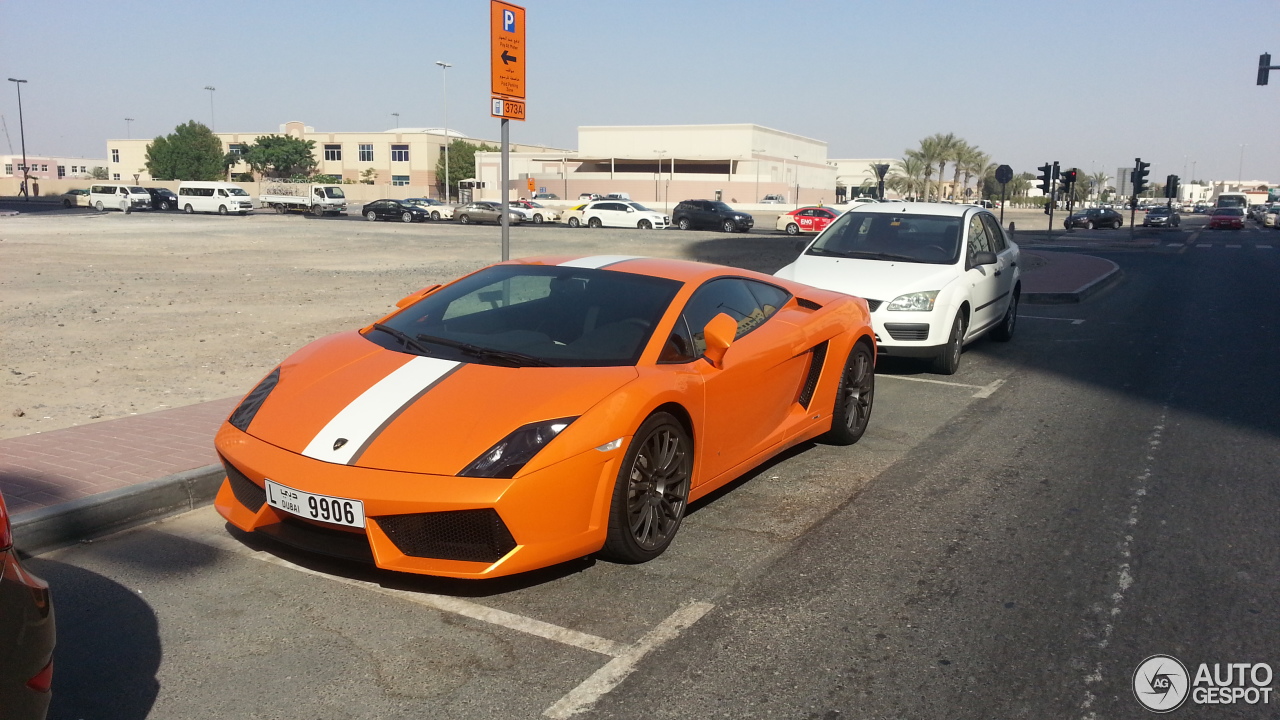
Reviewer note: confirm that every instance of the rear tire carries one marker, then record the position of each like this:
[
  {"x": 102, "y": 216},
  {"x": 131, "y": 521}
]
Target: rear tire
[
  {"x": 1088, "y": 225},
  {"x": 854, "y": 397},
  {"x": 98, "y": 206},
  {"x": 222, "y": 209},
  {"x": 651, "y": 492},
  {"x": 164, "y": 205},
  {"x": 594, "y": 223},
  {"x": 684, "y": 224},
  {"x": 188, "y": 209},
  {"x": 573, "y": 222},
  {"x": 464, "y": 219},
  {"x": 949, "y": 361},
  {"x": 1004, "y": 331}
]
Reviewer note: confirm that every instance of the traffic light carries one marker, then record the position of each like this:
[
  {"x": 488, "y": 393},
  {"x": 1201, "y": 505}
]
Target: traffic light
[
  {"x": 1046, "y": 178},
  {"x": 1067, "y": 178},
  {"x": 1139, "y": 176},
  {"x": 1264, "y": 68},
  {"x": 1171, "y": 187}
]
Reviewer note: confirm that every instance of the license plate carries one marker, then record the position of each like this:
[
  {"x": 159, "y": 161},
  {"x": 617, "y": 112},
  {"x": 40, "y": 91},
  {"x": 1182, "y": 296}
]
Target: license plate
[{"x": 336, "y": 510}]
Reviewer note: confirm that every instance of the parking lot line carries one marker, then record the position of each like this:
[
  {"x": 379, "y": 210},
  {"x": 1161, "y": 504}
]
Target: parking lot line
[
  {"x": 1205, "y": 245},
  {"x": 444, "y": 603},
  {"x": 1263, "y": 247},
  {"x": 1073, "y": 321},
  {"x": 616, "y": 670},
  {"x": 984, "y": 391}
]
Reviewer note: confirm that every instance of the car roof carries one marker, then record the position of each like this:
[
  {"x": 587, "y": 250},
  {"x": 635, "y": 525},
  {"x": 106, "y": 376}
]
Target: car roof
[{"x": 916, "y": 208}]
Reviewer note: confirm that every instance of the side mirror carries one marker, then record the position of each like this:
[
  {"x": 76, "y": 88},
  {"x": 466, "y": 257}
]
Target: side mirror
[
  {"x": 984, "y": 258},
  {"x": 718, "y": 334},
  {"x": 408, "y": 300},
  {"x": 630, "y": 209}
]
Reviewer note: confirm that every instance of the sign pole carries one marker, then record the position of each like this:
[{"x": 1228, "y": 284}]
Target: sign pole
[{"x": 506, "y": 190}]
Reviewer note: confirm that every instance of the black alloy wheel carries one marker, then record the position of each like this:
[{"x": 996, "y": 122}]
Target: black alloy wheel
[
  {"x": 593, "y": 223},
  {"x": 651, "y": 492},
  {"x": 949, "y": 361},
  {"x": 464, "y": 219},
  {"x": 645, "y": 225},
  {"x": 854, "y": 397}
]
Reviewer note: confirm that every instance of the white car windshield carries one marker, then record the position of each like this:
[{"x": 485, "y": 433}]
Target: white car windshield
[
  {"x": 137, "y": 190},
  {"x": 334, "y": 192},
  {"x": 882, "y": 236},
  {"x": 639, "y": 207},
  {"x": 237, "y": 191}
]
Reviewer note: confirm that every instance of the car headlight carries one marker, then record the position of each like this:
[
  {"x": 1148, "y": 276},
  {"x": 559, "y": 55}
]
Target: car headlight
[
  {"x": 243, "y": 415},
  {"x": 512, "y": 452},
  {"x": 915, "y": 302}
]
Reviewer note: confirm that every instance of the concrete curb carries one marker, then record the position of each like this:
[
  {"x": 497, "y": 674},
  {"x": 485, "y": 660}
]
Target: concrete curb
[
  {"x": 1080, "y": 294},
  {"x": 70, "y": 522}
]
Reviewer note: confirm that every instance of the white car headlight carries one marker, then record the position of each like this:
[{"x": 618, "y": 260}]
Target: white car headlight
[{"x": 916, "y": 301}]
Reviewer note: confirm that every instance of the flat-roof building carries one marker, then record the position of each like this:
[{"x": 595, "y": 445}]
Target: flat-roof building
[{"x": 44, "y": 167}]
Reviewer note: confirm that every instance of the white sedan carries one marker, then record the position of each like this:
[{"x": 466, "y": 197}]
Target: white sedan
[
  {"x": 622, "y": 213},
  {"x": 935, "y": 276},
  {"x": 438, "y": 210}
]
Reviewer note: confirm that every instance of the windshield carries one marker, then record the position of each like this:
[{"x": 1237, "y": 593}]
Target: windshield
[
  {"x": 237, "y": 191},
  {"x": 534, "y": 204},
  {"x": 570, "y": 317},
  {"x": 639, "y": 207},
  {"x": 882, "y": 236},
  {"x": 334, "y": 192},
  {"x": 138, "y": 190},
  {"x": 1229, "y": 201}
]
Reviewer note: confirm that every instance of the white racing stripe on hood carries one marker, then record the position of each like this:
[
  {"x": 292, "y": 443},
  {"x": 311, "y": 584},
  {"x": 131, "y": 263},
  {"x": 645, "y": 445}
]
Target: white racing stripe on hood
[
  {"x": 595, "y": 262},
  {"x": 360, "y": 422}
]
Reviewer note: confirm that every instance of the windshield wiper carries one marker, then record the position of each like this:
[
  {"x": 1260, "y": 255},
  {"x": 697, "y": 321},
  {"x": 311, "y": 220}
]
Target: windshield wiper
[
  {"x": 404, "y": 338},
  {"x": 510, "y": 356},
  {"x": 880, "y": 256}
]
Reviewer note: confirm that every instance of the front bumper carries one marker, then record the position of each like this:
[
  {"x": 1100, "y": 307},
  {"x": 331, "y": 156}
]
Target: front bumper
[{"x": 506, "y": 526}]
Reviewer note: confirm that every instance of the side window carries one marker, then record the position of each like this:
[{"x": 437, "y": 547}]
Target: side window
[
  {"x": 994, "y": 233},
  {"x": 771, "y": 298},
  {"x": 222, "y": 193},
  {"x": 725, "y": 295},
  {"x": 978, "y": 241},
  {"x": 679, "y": 347}
]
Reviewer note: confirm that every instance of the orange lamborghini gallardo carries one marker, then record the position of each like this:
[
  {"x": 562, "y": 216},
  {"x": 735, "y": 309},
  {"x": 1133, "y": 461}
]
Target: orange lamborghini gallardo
[{"x": 542, "y": 410}]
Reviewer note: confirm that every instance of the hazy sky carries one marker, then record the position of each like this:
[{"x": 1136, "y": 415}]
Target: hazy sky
[{"x": 1091, "y": 84}]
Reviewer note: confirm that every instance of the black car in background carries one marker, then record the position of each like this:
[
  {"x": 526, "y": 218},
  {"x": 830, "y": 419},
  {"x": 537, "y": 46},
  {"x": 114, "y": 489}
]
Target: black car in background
[
  {"x": 1161, "y": 216},
  {"x": 162, "y": 199},
  {"x": 693, "y": 214},
  {"x": 27, "y": 634},
  {"x": 1091, "y": 218},
  {"x": 395, "y": 210}
]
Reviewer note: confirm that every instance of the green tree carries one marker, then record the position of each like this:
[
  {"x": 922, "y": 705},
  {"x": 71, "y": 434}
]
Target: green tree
[
  {"x": 190, "y": 152},
  {"x": 368, "y": 176},
  {"x": 462, "y": 164},
  {"x": 281, "y": 156},
  {"x": 907, "y": 175},
  {"x": 99, "y": 172}
]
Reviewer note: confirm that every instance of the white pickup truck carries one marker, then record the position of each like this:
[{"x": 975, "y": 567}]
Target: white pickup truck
[{"x": 316, "y": 198}]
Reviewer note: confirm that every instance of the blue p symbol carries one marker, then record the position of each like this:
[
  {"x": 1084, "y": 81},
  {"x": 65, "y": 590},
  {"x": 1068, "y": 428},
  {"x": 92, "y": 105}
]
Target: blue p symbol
[{"x": 508, "y": 21}]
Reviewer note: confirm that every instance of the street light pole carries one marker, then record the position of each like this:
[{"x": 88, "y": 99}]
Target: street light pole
[
  {"x": 397, "y": 119},
  {"x": 797, "y": 157},
  {"x": 128, "y": 128},
  {"x": 444, "y": 75},
  {"x": 657, "y": 189},
  {"x": 753, "y": 152},
  {"x": 22, "y": 133},
  {"x": 213, "y": 123}
]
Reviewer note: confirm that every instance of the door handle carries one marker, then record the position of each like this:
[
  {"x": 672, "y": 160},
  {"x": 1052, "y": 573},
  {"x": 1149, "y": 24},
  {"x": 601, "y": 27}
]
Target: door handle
[{"x": 996, "y": 273}]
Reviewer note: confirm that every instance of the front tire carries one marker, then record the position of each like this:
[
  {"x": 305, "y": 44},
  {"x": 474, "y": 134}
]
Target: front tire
[
  {"x": 574, "y": 222},
  {"x": 729, "y": 226},
  {"x": 651, "y": 492},
  {"x": 164, "y": 205},
  {"x": 371, "y": 216},
  {"x": 1004, "y": 331},
  {"x": 406, "y": 217},
  {"x": 188, "y": 209},
  {"x": 594, "y": 223},
  {"x": 537, "y": 218},
  {"x": 435, "y": 214},
  {"x": 1088, "y": 225},
  {"x": 854, "y": 397},
  {"x": 645, "y": 225},
  {"x": 222, "y": 209},
  {"x": 949, "y": 361},
  {"x": 793, "y": 229}
]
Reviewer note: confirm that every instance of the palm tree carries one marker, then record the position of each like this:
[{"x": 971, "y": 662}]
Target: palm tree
[
  {"x": 905, "y": 177},
  {"x": 944, "y": 150},
  {"x": 1099, "y": 182},
  {"x": 973, "y": 162},
  {"x": 931, "y": 151},
  {"x": 960, "y": 152}
]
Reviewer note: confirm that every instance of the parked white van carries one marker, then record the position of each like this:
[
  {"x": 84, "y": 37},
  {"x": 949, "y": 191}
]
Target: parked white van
[
  {"x": 118, "y": 196},
  {"x": 210, "y": 196}
]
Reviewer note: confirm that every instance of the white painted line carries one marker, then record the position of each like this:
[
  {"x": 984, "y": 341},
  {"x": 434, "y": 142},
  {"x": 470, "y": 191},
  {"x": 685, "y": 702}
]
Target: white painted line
[
  {"x": 444, "y": 603},
  {"x": 1073, "y": 321},
  {"x": 616, "y": 670},
  {"x": 990, "y": 389},
  {"x": 1263, "y": 247}
]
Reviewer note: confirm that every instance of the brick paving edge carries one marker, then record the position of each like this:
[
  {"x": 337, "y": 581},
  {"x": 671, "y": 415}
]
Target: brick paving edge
[{"x": 68, "y": 523}]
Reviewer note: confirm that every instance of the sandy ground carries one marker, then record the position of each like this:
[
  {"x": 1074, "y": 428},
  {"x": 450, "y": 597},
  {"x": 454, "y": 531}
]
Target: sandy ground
[{"x": 110, "y": 315}]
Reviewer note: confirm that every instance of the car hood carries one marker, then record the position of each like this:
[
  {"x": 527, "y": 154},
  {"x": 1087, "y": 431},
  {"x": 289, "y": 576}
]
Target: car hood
[
  {"x": 346, "y": 400},
  {"x": 873, "y": 279}
]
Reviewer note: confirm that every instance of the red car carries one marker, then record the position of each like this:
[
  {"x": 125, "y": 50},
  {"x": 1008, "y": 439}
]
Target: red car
[
  {"x": 26, "y": 634},
  {"x": 806, "y": 220},
  {"x": 1227, "y": 218}
]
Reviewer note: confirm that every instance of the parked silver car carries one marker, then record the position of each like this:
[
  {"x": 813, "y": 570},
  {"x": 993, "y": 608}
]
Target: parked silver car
[{"x": 484, "y": 211}]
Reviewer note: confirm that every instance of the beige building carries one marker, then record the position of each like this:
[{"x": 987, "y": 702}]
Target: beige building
[
  {"x": 663, "y": 164},
  {"x": 857, "y": 174},
  {"x": 399, "y": 157}
]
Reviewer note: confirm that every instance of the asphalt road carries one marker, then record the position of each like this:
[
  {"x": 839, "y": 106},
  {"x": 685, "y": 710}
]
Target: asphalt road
[{"x": 1008, "y": 542}]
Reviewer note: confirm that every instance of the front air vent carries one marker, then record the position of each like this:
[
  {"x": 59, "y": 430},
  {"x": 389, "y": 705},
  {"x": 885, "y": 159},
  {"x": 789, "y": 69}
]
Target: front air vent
[
  {"x": 873, "y": 305},
  {"x": 908, "y": 331},
  {"x": 470, "y": 535},
  {"x": 819, "y": 358},
  {"x": 249, "y": 493}
]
